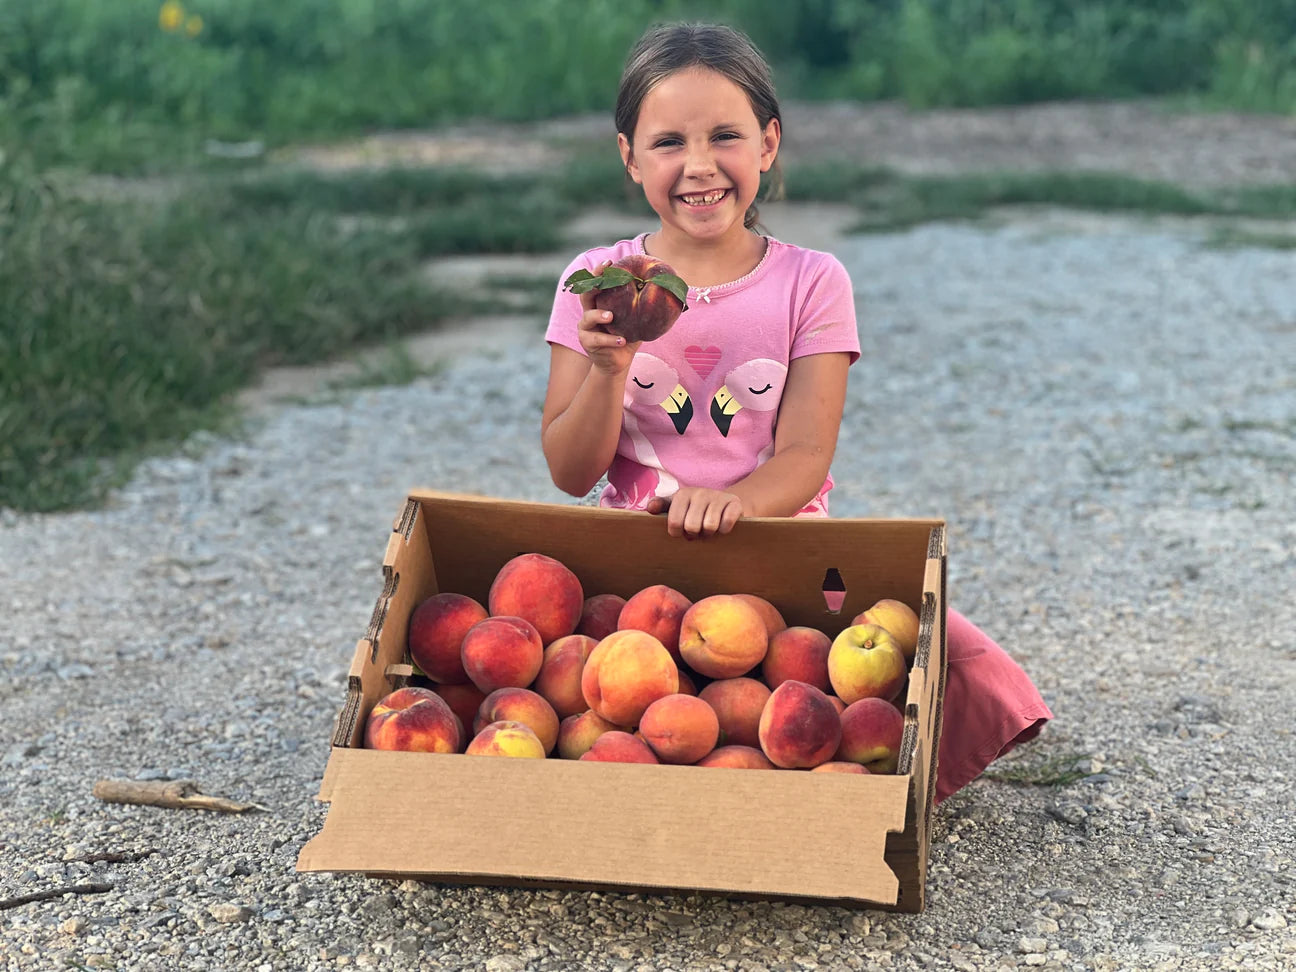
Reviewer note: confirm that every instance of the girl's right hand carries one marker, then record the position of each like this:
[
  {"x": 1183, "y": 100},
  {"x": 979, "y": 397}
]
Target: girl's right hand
[{"x": 608, "y": 353}]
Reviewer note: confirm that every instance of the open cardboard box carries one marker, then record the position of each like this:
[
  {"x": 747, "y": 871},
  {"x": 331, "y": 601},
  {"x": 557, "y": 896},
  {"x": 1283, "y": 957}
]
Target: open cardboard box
[{"x": 858, "y": 841}]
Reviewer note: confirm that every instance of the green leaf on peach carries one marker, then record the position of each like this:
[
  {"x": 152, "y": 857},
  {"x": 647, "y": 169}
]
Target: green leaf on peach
[{"x": 672, "y": 283}]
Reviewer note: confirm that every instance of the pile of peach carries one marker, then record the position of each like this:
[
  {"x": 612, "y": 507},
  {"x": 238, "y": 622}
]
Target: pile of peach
[{"x": 542, "y": 670}]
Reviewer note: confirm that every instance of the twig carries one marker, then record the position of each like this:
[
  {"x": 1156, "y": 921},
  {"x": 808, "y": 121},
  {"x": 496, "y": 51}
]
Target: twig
[
  {"x": 173, "y": 795},
  {"x": 113, "y": 857},
  {"x": 23, "y": 899}
]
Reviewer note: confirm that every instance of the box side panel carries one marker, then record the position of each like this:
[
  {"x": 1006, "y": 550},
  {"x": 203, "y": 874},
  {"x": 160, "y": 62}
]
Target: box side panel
[
  {"x": 610, "y": 824},
  {"x": 619, "y": 552}
]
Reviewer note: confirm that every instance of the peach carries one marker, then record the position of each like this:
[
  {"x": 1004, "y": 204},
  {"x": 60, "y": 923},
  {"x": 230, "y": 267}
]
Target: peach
[
  {"x": 736, "y": 757},
  {"x": 464, "y": 701},
  {"x": 644, "y": 294},
  {"x": 542, "y": 590},
  {"x": 866, "y": 662},
  {"x": 680, "y": 728},
  {"x": 506, "y": 738},
  {"x": 436, "y": 631},
  {"x": 502, "y": 651},
  {"x": 658, "y": 610},
  {"x": 838, "y": 703},
  {"x": 738, "y": 703},
  {"x": 520, "y": 705},
  {"x": 559, "y": 680},
  {"x": 771, "y": 615},
  {"x": 797, "y": 653},
  {"x": 625, "y": 673},
  {"x": 836, "y": 766},
  {"x": 576, "y": 733},
  {"x": 722, "y": 636},
  {"x": 599, "y": 615},
  {"x": 898, "y": 618},
  {"x": 871, "y": 733},
  {"x": 618, "y": 746},
  {"x": 686, "y": 685},
  {"x": 415, "y": 720},
  {"x": 799, "y": 727}
]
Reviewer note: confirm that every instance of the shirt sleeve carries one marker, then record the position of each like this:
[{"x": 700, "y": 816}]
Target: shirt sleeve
[
  {"x": 826, "y": 321},
  {"x": 564, "y": 318}
]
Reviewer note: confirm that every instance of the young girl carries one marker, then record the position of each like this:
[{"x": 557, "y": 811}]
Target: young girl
[{"x": 735, "y": 410}]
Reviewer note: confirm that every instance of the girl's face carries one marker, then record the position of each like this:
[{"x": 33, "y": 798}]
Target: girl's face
[{"x": 699, "y": 152}]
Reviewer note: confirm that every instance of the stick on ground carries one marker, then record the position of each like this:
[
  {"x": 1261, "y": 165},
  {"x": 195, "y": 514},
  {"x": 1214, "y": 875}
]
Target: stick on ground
[
  {"x": 172, "y": 794},
  {"x": 45, "y": 895}
]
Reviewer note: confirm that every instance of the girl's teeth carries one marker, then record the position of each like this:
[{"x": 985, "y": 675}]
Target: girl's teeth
[{"x": 705, "y": 200}]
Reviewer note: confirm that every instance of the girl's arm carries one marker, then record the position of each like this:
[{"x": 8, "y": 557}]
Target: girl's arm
[
  {"x": 805, "y": 439},
  {"x": 581, "y": 422}
]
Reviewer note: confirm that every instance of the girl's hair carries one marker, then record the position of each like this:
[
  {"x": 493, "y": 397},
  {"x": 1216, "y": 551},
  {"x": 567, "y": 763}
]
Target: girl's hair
[{"x": 667, "y": 48}]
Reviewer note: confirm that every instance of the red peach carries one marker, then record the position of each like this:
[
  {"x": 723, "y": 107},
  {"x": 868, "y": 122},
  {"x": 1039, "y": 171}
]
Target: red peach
[
  {"x": 799, "y": 727},
  {"x": 722, "y": 636},
  {"x": 576, "y": 733},
  {"x": 413, "y": 719},
  {"x": 736, "y": 757},
  {"x": 771, "y": 615},
  {"x": 520, "y": 705},
  {"x": 836, "y": 766},
  {"x": 619, "y": 747},
  {"x": 506, "y": 738},
  {"x": 464, "y": 701},
  {"x": 599, "y": 615},
  {"x": 641, "y": 310},
  {"x": 625, "y": 673},
  {"x": 680, "y": 728},
  {"x": 542, "y": 590},
  {"x": 436, "y": 631},
  {"x": 657, "y": 610},
  {"x": 502, "y": 651},
  {"x": 738, "y": 703},
  {"x": 797, "y": 653},
  {"x": 871, "y": 733},
  {"x": 559, "y": 680},
  {"x": 686, "y": 686}
]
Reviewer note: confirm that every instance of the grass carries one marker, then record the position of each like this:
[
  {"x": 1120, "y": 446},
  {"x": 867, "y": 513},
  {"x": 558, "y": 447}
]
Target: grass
[
  {"x": 1056, "y": 771},
  {"x": 132, "y": 320}
]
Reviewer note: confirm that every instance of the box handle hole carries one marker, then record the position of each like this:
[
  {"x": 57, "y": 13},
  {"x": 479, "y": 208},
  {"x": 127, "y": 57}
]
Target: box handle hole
[{"x": 834, "y": 590}]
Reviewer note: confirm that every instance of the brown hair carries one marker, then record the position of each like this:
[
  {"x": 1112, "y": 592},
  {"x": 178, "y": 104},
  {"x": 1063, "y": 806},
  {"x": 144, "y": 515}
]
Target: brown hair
[{"x": 667, "y": 48}]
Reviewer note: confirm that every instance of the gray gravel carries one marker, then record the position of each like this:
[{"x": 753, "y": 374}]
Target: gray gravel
[{"x": 1103, "y": 409}]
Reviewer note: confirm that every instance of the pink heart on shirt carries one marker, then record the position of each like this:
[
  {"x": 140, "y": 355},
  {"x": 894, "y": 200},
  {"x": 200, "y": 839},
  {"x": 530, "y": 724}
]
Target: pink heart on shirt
[{"x": 702, "y": 360}]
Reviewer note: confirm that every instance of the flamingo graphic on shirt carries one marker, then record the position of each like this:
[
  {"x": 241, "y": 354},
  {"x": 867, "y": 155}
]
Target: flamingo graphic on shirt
[
  {"x": 756, "y": 384},
  {"x": 635, "y": 479}
]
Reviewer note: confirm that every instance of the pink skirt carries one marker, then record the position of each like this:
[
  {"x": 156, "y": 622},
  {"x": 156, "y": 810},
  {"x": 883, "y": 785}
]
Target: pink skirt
[{"x": 991, "y": 706}]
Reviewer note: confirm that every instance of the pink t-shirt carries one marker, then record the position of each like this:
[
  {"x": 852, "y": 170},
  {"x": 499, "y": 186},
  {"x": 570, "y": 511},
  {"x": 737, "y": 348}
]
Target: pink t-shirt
[{"x": 702, "y": 400}]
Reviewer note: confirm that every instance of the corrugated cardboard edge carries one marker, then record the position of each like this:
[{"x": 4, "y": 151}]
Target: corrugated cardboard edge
[{"x": 906, "y": 845}]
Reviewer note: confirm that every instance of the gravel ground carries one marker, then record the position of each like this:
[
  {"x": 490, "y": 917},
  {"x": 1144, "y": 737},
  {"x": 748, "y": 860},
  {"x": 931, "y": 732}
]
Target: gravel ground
[{"x": 1103, "y": 409}]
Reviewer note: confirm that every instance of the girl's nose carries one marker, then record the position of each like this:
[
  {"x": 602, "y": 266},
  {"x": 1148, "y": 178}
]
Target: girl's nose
[{"x": 700, "y": 160}]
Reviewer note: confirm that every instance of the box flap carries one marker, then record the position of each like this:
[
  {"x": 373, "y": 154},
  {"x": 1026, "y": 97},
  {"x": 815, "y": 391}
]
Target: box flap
[{"x": 798, "y": 834}]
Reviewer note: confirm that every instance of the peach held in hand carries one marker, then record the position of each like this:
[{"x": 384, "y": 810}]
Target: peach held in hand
[
  {"x": 436, "y": 631},
  {"x": 542, "y": 590},
  {"x": 658, "y": 610},
  {"x": 502, "y": 651},
  {"x": 680, "y": 728},
  {"x": 899, "y": 619},
  {"x": 722, "y": 636},
  {"x": 520, "y": 705},
  {"x": 644, "y": 294},
  {"x": 797, "y": 653},
  {"x": 865, "y": 662},
  {"x": 507, "y": 738},
  {"x": 413, "y": 720},
  {"x": 871, "y": 733},
  {"x": 625, "y": 673},
  {"x": 799, "y": 728}
]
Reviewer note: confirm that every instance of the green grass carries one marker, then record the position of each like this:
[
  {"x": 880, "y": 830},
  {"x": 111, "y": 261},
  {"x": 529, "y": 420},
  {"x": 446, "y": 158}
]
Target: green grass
[{"x": 1055, "y": 771}]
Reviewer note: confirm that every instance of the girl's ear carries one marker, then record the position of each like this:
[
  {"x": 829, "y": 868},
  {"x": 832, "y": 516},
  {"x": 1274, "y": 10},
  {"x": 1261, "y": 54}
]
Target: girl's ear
[
  {"x": 770, "y": 143},
  {"x": 627, "y": 157}
]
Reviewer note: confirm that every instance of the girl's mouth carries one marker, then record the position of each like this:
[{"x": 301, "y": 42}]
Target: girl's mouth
[{"x": 702, "y": 199}]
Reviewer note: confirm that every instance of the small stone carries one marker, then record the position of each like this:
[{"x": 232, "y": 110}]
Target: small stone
[
  {"x": 228, "y": 913},
  {"x": 505, "y": 963},
  {"x": 1269, "y": 920},
  {"x": 1031, "y": 946},
  {"x": 73, "y": 926},
  {"x": 1036, "y": 958}
]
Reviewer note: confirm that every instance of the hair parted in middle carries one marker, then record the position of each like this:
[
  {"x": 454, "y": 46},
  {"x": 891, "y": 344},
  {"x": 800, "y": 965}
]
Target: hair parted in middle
[{"x": 665, "y": 49}]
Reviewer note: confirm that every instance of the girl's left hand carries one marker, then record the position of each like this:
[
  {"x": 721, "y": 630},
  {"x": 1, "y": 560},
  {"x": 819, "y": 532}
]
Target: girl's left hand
[{"x": 695, "y": 512}]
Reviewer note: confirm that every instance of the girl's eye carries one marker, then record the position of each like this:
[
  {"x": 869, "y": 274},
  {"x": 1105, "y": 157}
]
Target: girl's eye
[
  {"x": 760, "y": 391},
  {"x": 726, "y": 136},
  {"x": 667, "y": 143}
]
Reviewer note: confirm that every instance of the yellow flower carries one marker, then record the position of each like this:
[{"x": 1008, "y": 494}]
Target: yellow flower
[
  {"x": 171, "y": 16},
  {"x": 194, "y": 26}
]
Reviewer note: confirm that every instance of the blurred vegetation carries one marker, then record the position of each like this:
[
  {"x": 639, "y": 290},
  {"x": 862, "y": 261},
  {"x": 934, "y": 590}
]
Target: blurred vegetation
[{"x": 148, "y": 272}]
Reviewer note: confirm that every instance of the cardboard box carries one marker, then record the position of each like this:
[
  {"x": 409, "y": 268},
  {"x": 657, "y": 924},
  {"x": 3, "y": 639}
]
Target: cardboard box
[{"x": 858, "y": 841}]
